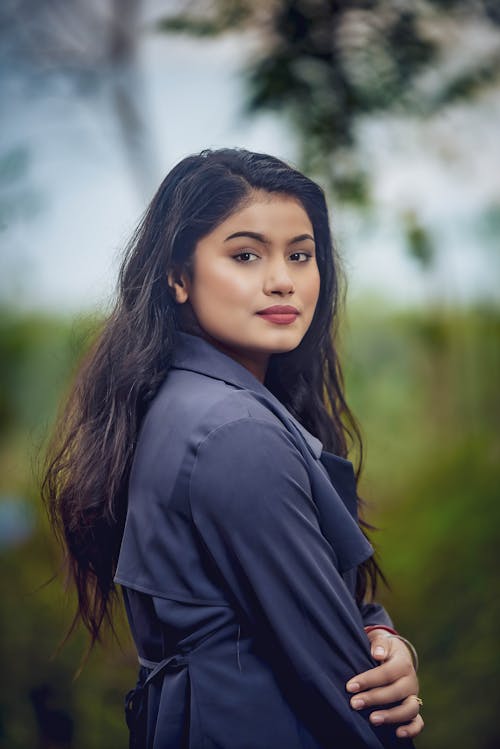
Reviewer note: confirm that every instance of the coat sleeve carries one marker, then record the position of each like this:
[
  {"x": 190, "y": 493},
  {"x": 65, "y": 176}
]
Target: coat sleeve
[
  {"x": 252, "y": 505},
  {"x": 374, "y": 613}
]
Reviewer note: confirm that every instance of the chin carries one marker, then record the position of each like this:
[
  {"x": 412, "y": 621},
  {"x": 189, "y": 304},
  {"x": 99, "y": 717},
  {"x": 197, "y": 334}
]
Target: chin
[
  {"x": 285, "y": 349},
  {"x": 288, "y": 338},
  {"x": 282, "y": 347}
]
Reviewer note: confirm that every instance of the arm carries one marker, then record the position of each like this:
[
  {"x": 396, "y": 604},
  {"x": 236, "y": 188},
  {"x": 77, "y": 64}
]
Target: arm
[{"x": 251, "y": 503}]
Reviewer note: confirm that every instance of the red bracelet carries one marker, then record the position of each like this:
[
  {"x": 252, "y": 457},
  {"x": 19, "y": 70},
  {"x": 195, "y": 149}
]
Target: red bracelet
[{"x": 380, "y": 626}]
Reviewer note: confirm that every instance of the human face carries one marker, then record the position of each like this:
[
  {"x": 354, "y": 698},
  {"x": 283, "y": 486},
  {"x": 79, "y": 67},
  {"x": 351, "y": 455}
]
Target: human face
[{"x": 261, "y": 256}]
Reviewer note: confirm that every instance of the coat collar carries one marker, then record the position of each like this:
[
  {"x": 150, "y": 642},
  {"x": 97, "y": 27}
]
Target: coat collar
[{"x": 198, "y": 355}]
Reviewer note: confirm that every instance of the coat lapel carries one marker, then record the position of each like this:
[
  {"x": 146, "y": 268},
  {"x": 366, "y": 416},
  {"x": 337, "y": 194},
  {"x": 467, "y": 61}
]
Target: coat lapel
[{"x": 341, "y": 474}]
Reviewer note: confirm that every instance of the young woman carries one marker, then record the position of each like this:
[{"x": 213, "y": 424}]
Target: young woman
[{"x": 201, "y": 465}]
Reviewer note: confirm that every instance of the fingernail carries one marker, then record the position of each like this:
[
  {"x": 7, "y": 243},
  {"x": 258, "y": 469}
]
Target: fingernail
[
  {"x": 379, "y": 650},
  {"x": 357, "y": 704},
  {"x": 403, "y": 734},
  {"x": 353, "y": 686},
  {"x": 377, "y": 718}
]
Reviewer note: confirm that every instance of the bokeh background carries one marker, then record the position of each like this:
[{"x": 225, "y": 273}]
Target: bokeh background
[{"x": 394, "y": 107}]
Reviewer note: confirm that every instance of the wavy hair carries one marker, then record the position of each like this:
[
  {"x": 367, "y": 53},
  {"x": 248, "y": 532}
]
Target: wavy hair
[{"x": 84, "y": 485}]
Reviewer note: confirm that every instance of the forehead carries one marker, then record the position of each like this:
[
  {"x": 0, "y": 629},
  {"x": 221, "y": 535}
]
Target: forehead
[{"x": 274, "y": 215}]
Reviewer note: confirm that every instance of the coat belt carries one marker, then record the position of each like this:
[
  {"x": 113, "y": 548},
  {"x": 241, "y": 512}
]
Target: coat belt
[
  {"x": 171, "y": 733},
  {"x": 157, "y": 667},
  {"x": 136, "y": 704}
]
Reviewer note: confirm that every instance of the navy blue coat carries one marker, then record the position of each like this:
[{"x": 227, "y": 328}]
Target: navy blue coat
[{"x": 238, "y": 565}]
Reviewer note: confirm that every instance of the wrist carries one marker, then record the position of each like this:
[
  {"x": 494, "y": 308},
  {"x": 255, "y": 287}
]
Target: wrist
[{"x": 383, "y": 627}]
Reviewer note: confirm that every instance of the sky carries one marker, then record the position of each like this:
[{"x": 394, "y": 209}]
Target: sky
[{"x": 69, "y": 207}]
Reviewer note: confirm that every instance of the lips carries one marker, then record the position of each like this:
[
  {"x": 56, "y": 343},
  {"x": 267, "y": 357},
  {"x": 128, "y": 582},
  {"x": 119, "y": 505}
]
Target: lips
[
  {"x": 279, "y": 309},
  {"x": 279, "y": 314}
]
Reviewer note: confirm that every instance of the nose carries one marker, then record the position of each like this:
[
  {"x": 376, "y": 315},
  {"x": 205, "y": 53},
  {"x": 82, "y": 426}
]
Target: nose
[{"x": 278, "y": 279}]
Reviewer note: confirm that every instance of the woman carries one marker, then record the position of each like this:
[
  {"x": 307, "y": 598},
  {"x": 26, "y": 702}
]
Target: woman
[{"x": 203, "y": 468}]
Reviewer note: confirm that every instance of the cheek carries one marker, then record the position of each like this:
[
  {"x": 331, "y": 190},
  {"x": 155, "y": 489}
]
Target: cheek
[
  {"x": 312, "y": 287},
  {"x": 218, "y": 285},
  {"x": 235, "y": 285}
]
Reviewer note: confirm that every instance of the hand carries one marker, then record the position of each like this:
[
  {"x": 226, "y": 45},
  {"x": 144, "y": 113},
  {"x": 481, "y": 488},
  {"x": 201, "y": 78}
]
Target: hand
[{"x": 393, "y": 681}]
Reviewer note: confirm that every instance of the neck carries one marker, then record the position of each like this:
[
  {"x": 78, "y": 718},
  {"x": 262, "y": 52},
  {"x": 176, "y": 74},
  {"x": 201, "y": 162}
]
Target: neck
[{"x": 256, "y": 364}]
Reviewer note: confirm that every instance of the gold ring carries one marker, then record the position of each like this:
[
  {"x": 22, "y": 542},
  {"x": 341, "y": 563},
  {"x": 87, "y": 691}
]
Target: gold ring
[{"x": 419, "y": 700}]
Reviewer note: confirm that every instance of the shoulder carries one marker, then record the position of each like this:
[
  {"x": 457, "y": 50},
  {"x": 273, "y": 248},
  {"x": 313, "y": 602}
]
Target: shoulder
[
  {"x": 249, "y": 434},
  {"x": 191, "y": 408},
  {"x": 244, "y": 462}
]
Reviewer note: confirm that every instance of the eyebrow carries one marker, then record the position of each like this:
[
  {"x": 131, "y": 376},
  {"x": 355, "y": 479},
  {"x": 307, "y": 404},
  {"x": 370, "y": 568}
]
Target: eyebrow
[{"x": 262, "y": 238}]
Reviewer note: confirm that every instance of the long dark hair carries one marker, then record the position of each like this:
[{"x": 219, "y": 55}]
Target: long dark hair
[{"x": 88, "y": 462}]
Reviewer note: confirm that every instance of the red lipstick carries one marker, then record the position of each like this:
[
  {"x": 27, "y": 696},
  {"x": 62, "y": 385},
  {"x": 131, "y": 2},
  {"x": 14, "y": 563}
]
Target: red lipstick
[{"x": 279, "y": 314}]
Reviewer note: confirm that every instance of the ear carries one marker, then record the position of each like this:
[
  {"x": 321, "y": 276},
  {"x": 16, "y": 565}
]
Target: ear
[{"x": 179, "y": 286}]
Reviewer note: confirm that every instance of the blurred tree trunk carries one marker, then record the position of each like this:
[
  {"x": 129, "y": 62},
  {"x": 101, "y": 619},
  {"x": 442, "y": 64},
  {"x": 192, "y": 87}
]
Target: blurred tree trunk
[
  {"x": 93, "y": 45},
  {"x": 126, "y": 90}
]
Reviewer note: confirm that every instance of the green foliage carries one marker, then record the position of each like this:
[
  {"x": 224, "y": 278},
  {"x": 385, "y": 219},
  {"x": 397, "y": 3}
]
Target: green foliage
[
  {"x": 328, "y": 66},
  {"x": 424, "y": 385},
  {"x": 418, "y": 240},
  {"x": 231, "y": 14},
  {"x": 39, "y": 355}
]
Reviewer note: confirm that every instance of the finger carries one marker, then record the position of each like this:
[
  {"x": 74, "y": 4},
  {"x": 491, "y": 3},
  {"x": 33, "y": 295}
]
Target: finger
[
  {"x": 411, "y": 729},
  {"x": 403, "y": 713},
  {"x": 377, "y": 676},
  {"x": 394, "y": 692},
  {"x": 380, "y": 647}
]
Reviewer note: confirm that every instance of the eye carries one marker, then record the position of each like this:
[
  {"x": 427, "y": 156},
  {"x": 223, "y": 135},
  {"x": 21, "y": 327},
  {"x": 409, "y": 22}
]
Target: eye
[
  {"x": 305, "y": 256},
  {"x": 245, "y": 257}
]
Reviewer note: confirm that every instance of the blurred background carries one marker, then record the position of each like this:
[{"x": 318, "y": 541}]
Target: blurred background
[{"x": 394, "y": 107}]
